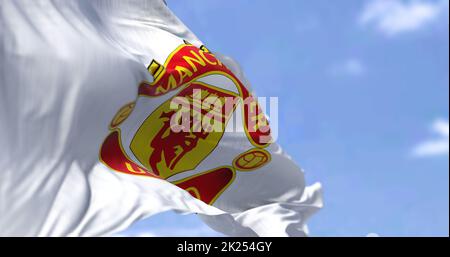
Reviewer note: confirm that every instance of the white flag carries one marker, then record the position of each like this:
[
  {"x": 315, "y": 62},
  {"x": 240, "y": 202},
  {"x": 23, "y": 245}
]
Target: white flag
[{"x": 88, "y": 95}]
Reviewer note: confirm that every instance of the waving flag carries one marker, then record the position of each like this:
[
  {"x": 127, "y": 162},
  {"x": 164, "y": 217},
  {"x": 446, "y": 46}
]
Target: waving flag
[{"x": 112, "y": 111}]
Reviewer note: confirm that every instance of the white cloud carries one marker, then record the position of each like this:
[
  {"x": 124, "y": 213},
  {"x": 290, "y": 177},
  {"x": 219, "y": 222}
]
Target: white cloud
[
  {"x": 438, "y": 146},
  {"x": 372, "y": 235},
  {"x": 350, "y": 67},
  {"x": 392, "y": 17}
]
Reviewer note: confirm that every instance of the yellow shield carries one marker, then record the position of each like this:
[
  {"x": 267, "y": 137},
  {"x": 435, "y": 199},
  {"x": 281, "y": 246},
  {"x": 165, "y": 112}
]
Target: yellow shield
[{"x": 167, "y": 152}]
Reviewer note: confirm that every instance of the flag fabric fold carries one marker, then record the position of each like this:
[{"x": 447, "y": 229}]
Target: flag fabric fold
[{"x": 87, "y": 148}]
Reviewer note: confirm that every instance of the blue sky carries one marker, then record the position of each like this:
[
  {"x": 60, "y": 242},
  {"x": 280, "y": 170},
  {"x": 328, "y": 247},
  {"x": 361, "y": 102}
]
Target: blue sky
[{"x": 363, "y": 91}]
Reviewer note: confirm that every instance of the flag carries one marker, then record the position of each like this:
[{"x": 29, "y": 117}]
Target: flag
[{"x": 112, "y": 111}]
